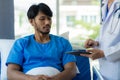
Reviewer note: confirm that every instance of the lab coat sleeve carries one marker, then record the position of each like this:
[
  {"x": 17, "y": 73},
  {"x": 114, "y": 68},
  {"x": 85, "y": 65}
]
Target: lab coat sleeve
[{"x": 113, "y": 53}]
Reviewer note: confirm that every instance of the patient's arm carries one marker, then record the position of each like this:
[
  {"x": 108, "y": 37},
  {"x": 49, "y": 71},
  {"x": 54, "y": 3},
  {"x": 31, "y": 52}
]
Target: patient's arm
[
  {"x": 68, "y": 73},
  {"x": 14, "y": 73}
]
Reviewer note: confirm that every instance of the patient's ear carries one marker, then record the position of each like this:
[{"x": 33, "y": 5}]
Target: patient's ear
[{"x": 31, "y": 21}]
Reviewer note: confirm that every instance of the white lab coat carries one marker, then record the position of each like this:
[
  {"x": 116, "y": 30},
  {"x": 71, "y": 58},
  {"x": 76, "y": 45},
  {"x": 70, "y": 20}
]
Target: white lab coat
[{"x": 109, "y": 40}]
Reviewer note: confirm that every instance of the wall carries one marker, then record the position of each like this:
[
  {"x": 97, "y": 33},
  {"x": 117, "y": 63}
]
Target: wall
[{"x": 6, "y": 19}]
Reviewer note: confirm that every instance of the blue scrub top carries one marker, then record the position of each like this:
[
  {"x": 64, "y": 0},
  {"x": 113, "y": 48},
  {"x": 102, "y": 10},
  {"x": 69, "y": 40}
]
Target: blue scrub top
[{"x": 29, "y": 54}]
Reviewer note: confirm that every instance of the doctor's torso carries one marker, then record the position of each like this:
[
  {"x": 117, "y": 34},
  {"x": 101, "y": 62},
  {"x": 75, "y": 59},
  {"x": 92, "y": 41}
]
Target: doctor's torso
[
  {"x": 110, "y": 29},
  {"x": 110, "y": 36}
]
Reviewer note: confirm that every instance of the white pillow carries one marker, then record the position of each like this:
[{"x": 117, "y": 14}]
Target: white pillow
[
  {"x": 65, "y": 35},
  {"x": 5, "y": 46},
  {"x": 49, "y": 71}
]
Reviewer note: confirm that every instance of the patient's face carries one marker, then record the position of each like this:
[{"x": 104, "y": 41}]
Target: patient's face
[{"x": 42, "y": 23}]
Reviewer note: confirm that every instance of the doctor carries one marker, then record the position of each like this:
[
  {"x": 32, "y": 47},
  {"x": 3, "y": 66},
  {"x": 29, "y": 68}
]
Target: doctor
[{"x": 106, "y": 47}]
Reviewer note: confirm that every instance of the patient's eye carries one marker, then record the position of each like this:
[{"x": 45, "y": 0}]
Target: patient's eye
[{"x": 42, "y": 18}]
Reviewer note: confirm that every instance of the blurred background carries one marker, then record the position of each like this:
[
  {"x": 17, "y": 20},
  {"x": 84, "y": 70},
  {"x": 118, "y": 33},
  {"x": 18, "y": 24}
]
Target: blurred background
[
  {"x": 76, "y": 19},
  {"x": 79, "y": 18}
]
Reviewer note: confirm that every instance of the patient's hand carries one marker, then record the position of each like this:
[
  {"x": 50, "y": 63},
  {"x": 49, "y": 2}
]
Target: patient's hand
[
  {"x": 53, "y": 78},
  {"x": 43, "y": 77},
  {"x": 40, "y": 77}
]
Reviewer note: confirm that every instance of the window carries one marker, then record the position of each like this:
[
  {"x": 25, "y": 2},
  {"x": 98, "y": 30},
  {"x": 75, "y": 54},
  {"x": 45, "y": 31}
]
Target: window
[
  {"x": 81, "y": 19},
  {"x": 22, "y": 25}
]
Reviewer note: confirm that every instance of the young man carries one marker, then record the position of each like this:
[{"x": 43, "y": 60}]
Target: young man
[
  {"x": 40, "y": 50},
  {"x": 108, "y": 42}
]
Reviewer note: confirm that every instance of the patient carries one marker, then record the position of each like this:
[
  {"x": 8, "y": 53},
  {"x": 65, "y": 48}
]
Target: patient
[{"x": 41, "y": 56}]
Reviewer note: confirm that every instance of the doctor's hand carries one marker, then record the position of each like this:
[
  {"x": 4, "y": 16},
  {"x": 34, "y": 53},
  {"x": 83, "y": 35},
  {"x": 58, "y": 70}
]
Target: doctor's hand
[
  {"x": 95, "y": 54},
  {"x": 90, "y": 43}
]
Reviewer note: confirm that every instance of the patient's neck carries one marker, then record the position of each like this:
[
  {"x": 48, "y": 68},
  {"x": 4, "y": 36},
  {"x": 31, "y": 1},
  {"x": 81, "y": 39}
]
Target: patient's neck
[
  {"x": 42, "y": 39},
  {"x": 110, "y": 3}
]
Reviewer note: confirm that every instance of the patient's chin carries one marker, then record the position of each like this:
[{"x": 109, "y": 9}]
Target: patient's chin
[{"x": 49, "y": 71}]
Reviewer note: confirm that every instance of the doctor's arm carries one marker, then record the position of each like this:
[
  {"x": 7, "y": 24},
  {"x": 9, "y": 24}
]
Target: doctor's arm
[
  {"x": 95, "y": 54},
  {"x": 113, "y": 53}
]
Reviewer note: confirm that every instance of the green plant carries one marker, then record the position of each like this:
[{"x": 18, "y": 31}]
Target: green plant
[
  {"x": 89, "y": 27},
  {"x": 78, "y": 41}
]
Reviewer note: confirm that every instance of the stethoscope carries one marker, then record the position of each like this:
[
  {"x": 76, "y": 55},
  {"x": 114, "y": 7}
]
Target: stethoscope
[
  {"x": 116, "y": 12},
  {"x": 114, "y": 26}
]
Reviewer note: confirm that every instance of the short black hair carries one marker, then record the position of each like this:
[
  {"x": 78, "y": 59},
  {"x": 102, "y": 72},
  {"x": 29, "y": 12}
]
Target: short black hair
[{"x": 41, "y": 7}]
